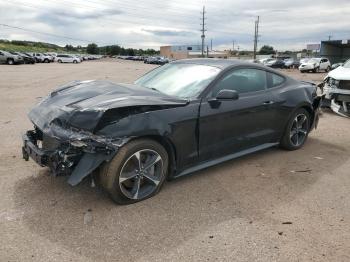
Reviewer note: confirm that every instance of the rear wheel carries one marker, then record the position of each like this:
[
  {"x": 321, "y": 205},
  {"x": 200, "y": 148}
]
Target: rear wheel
[
  {"x": 75, "y": 61},
  {"x": 10, "y": 61},
  {"x": 328, "y": 69},
  {"x": 59, "y": 61},
  {"x": 297, "y": 130},
  {"x": 316, "y": 70},
  {"x": 136, "y": 173}
]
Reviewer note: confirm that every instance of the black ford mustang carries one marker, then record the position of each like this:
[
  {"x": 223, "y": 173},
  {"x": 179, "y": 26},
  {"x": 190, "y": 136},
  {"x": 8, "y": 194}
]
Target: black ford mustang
[{"x": 175, "y": 120}]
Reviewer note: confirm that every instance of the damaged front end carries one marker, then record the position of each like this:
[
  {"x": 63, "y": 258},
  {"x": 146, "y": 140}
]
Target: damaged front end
[
  {"x": 67, "y": 124},
  {"x": 337, "y": 95},
  {"x": 75, "y": 153}
]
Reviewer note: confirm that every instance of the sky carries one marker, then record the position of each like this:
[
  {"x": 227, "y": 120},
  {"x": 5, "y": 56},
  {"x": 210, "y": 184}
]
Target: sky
[{"x": 284, "y": 24}]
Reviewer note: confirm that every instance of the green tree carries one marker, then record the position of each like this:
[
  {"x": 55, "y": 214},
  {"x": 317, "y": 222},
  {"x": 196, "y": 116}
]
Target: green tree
[
  {"x": 266, "y": 50},
  {"x": 92, "y": 49}
]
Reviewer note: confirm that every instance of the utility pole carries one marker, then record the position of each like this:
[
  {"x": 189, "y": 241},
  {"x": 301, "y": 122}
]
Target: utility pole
[
  {"x": 211, "y": 44},
  {"x": 256, "y": 36},
  {"x": 203, "y": 29},
  {"x": 207, "y": 51},
  {"x": 329, "y": 38}
]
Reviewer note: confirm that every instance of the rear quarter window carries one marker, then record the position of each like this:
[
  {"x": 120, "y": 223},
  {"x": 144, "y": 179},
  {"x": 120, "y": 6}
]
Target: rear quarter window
[{"x": 276, "y": 80}]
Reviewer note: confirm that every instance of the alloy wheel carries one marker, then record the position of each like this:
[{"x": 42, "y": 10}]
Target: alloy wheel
[
  {"x": 141, "y": 174},
  {"x": 299, "y": 130}
]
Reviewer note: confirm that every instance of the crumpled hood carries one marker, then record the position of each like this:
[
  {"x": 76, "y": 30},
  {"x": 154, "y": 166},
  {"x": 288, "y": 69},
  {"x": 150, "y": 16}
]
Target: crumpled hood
[
  {"x": 90, "y": 99},
  {"x": 340, "y": 73}
]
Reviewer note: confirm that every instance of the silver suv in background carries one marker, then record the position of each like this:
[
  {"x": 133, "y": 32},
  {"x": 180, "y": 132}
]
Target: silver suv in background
[{"x": 10, "y": 59}]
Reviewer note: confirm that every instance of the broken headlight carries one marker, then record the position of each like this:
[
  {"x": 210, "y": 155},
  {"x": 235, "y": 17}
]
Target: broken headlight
[{"x": 333, "y": 82}]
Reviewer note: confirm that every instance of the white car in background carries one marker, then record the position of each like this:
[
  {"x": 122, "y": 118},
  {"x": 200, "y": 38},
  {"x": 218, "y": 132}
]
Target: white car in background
[
  {"x": 315, "y": 65},
  {"x": 67, "y": 59},
  {"x": 336, "y": 88}
]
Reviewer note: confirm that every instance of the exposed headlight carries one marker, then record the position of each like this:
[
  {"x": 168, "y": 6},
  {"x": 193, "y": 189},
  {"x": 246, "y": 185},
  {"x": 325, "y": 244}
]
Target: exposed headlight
[{"x": 333, "y": 82}]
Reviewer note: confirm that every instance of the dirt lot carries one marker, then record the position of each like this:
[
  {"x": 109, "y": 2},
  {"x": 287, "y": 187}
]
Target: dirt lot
[{"x": 269, "y": 206}]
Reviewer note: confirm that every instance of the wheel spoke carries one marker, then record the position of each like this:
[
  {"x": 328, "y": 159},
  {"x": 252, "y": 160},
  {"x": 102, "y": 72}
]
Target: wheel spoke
[
  {"x": 136, "y": 188},
  {"x": 153, "y": 179},
  {"x": 155, "y": 159},
  {"x": 293, "y": 132},
  {"x": 301, "y": 121},
  {"x": 302, "y": 131},
  {"x": 137, "y": 155},
  {"x": 126, "y": 176}
]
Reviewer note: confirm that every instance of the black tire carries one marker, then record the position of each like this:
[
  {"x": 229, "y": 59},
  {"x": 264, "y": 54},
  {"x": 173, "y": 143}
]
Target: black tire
[
  {"x": 316, "y": 70},
  {"x": 10, "y": 61},
  {"x": 46, "y": 61},
  {"x": 328, "y": 69},
  {"x": 291, "y": 135},
  {"x": 75, "y": 61},
  {"x": 109, "y": 173},
  {"x": 59, "y": 61}
]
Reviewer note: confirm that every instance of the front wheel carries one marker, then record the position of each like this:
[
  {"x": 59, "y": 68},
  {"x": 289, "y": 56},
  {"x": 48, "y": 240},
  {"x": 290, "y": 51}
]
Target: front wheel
[
  {"x": 10, "y": 62},
  {"x": 328, "y": 69},
  {"x": 297, "y": 130},
  {"x": 136, "y": 173}
]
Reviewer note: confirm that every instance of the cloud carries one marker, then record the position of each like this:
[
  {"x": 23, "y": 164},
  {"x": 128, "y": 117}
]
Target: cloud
[
  {"x": 168, "y": 32},
  {"x": 150, "y": 23}
]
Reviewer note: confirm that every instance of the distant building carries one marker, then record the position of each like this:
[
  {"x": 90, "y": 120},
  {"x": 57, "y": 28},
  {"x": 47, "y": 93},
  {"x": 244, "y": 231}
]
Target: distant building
[
  {"x": 189, "y": 51},
  {"x": 335, "y": 50}
]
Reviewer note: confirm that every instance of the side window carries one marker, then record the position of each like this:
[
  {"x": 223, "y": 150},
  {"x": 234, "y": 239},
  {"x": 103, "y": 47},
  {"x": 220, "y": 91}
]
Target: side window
[
  {"x": 276, "y": 80},
  {"x": 1, "y": 53},
  {"x": 243, "y": 80}
]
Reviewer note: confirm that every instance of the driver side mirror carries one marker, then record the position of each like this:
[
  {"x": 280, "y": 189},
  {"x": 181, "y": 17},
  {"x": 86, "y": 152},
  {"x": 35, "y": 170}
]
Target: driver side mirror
[{"x": 227, "y": 95}]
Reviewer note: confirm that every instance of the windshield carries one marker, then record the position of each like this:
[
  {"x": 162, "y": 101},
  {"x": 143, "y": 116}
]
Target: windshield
[
  {"x": 181, "y": 80},
  {"x": 347, "y": 64}
]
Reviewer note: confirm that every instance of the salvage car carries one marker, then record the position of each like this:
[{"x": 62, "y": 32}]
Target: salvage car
[
  {"x": 336, "y": 87},
  {"x": 315, "y": 65},
  {"x": 175, "y": 120},
  {"x": 10, "y": 59},
  {"x": 27, "y": 59}
]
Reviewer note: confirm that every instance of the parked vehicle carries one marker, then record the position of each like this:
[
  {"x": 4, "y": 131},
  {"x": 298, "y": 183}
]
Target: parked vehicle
[
  {"x": 10, "y": 59},
  {"x": 277, "y": 63},
  {"x": 50, "y": 57},
  {"x": 340, "y": 63},
  {"x": 315, "y": 65},
  {"x": 177, "y": 119},
  {"x": 67, "y": 59},
  {"x": 289, "y": 63},
  {"x": 336, "y": 87},
  {"x": 41, "y": 58},
  {"x": 27, "y": 59}
]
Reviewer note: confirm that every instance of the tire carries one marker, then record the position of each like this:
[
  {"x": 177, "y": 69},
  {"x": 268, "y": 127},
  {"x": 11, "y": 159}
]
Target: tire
[
  {"x": 328, "y": 69},
  {"x": 10, "y": 61},
  {"x": 75, "y": 61},
  {"x": 316, "y": 70},
  {"x": 59, "y": 61},
  {"x": 122, "y": 190},
  {"x": 292, "y": 134},
  {"x": 46, "y": 61}
]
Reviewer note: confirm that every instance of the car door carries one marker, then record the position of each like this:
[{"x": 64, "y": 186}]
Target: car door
[
  {"x": 231, "y": 126},
  {"x": 323, "y": 64}
]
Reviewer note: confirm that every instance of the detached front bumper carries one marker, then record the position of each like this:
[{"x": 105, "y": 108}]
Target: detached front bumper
[
  {"x": 337, "y": 99},
  {"x": 62, "y": 157}
]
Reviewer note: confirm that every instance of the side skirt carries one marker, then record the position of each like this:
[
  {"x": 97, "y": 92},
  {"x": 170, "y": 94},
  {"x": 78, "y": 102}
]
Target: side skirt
[{"x": 223, "y": 159}]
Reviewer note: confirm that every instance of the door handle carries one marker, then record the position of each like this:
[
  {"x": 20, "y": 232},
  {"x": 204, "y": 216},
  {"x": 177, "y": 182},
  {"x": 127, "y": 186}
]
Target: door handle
[{"x": 268, "y": 103}]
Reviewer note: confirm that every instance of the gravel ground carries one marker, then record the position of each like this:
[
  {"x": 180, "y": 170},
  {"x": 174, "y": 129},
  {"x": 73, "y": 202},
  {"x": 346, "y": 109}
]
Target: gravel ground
[{"x": 269, "y": 206}]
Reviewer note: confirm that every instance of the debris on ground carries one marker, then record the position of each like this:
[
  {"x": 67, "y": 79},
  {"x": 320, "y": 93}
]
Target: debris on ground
[
  {"x": 88, "y": 217},
  {"x": 318, "y": 157},
  {"x": 280, "y": 233},
  {"x": 301, "y": 171},
  {"x": 287, "y": 223}
]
